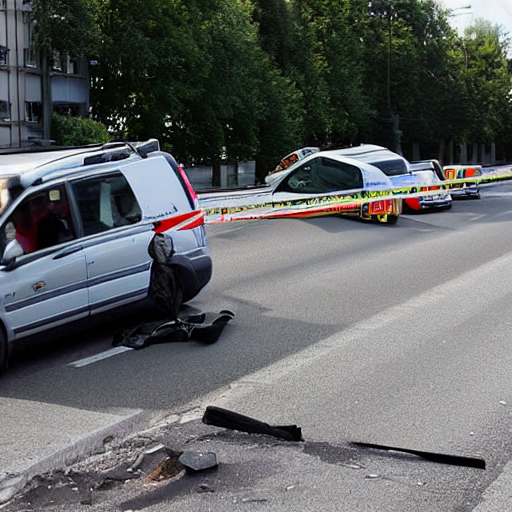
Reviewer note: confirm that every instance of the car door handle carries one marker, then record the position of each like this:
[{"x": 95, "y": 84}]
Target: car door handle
[
  {"x": 38, "y": 286},
  {"x": 67, "y": 251}
]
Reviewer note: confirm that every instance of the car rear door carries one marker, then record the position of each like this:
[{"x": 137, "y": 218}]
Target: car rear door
[{"x": 115, "y": 241}]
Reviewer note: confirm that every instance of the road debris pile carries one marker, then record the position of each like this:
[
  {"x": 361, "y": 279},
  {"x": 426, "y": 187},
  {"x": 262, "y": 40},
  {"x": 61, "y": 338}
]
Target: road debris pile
[
  {"x": 218, "y": 462},
  {"x": 68, "y": 489}
]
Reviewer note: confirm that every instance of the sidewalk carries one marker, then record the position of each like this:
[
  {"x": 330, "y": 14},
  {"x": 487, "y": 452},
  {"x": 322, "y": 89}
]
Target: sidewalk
[{"x": 37, "y": 450}]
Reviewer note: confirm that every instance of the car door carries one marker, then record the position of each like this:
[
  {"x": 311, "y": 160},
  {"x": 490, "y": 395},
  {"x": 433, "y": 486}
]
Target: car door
[
  {"x": 115, "y": 241},
  {"x": 318, "y": 184},
  {"x": 47, "y": 285}
]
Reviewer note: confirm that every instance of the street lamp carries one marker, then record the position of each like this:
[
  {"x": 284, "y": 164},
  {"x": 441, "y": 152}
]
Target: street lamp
[
  {"x": 386, "y": 9},
  {"x": 454, "y": 13}
]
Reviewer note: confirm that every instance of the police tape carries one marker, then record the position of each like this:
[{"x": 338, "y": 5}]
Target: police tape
[
  {"x": 342, "y": 204},
  {"x": 314, "y": 206}
]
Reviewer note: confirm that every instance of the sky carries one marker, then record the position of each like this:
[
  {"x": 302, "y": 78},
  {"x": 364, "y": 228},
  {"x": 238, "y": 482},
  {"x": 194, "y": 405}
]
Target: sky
[{"x": 498, "y": 12}]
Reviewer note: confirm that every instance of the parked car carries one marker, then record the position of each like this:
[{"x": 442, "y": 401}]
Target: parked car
[
  {"x": 431, "y": 187},
  {"x": 464, "y": 180},
  {"x": 75, "y": 226},
  {"x": 294, "y": 157},
  {"x": 423, "y": 179},
  {"x": 320, "y": 183}
]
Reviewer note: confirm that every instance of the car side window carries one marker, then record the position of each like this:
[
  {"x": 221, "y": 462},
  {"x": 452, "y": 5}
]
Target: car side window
[
  {"x": 301, "y": 179},
  {"x": 41, "y": 220},
  {"x": 332, "y": 175},
  {"x": 105, "y": 202},
  {"x": 323, "y": 175}
]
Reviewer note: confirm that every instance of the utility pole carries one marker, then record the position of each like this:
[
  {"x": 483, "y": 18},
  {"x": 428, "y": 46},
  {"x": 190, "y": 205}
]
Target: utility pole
[{"x": 384, "y": 8}]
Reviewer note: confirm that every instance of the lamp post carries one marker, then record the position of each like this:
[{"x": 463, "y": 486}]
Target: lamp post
[{"x": 460, "y": 11}]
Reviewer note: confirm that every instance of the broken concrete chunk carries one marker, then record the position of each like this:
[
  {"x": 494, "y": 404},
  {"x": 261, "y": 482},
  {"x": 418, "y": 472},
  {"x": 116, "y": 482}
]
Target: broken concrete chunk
[
  {"x": 120, "y": 473},
  {"x": 198, "y": 461},
  {"x": 168, "y": 468},
  {"x": 205, "y": 488},
  {"x": 152, "y": 458}
]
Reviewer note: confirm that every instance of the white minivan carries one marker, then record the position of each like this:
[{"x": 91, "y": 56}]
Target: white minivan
[{"x": 75, "y": 226}]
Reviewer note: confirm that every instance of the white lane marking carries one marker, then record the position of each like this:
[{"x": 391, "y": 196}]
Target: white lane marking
[{"x": 98, "y": 357}]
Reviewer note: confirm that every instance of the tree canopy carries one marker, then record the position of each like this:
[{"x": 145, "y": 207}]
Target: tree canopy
[{"x": 239, "y": 79}]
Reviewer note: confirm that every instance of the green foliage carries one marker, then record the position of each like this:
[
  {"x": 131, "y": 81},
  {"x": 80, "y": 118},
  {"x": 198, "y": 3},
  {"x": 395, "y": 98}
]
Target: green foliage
[
  {"x": 66, "y": 26},
  {"x": 77, "y": 131},
  {"x": 239, "y": 79},
  {"x": 487, "y": 83}
]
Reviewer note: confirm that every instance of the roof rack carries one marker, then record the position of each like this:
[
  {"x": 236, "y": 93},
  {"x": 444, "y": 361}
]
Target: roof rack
[{"x": 35, "y": 165}]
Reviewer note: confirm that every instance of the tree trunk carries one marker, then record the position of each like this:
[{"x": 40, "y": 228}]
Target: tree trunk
[
  {"x": 464, "y": 153},
  {"x": 441, "y": 151},
  {"x": 216, "y": 174},
  {"x": 46, "y": 95}
]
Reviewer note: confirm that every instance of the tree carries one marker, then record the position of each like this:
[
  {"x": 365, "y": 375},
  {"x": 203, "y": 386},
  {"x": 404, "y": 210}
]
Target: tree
[
  {"x": 241, "y": 79},
  {"x": 67, "y": 27},
  {"x": 147, "y": 67},
  {"x": 77, "y": 131},
  {"x": 487, "y": 84}
]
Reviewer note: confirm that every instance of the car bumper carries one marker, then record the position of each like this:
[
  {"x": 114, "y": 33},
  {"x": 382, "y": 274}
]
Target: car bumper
[
  {"x": 434, "y": 202},
  {"x": 465, "y": 191}
]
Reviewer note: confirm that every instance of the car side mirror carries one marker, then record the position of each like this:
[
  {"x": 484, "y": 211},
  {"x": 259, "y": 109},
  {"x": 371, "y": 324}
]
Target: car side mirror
[{"x": 12, "y": 250}]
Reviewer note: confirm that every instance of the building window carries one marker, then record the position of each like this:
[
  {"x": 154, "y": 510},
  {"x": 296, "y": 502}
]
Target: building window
[
  {"x": 4, "y": 56},
  {"x": 33, "y": 111},
  {"x": 67, "y": 109},
  {"x": 5, "y": 114},
  {"x": 72, "y": 66},
  {"x": 57, "y": 62},
  {"x": 30, "y": 57}
]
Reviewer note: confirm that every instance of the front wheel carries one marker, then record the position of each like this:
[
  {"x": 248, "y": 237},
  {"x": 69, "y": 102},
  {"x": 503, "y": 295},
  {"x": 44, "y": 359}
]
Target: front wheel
[{"x": 385, "y": 218}]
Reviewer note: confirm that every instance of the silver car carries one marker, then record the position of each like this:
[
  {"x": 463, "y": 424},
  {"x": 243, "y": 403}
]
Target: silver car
[{"x": 75, "y": 226}]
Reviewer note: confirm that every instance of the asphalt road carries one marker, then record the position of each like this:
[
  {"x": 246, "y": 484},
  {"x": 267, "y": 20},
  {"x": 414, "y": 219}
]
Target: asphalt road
[{"x": 398, "y": 335}]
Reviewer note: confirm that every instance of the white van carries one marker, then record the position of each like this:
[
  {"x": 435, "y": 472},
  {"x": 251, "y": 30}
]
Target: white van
[{"x": 75, "y": 226}]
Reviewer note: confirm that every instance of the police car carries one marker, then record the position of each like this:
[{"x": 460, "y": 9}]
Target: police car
[
  {"x": 317, "y": 183},
  {"x": 421, "y": 183}
]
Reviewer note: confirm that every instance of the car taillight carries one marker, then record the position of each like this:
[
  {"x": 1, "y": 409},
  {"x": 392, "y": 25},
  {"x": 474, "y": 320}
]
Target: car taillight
[
  {"x": 191, "y": 191},
  {"x": 380, "y": 207}
]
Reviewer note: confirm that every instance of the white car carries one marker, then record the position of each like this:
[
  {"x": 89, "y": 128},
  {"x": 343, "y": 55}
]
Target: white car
[
  {"x": 75, "y": 226},
  {"x": 322, "y": 182},
  {"x": 464, "y": 180},
  {"x": 422, "y": 180}
]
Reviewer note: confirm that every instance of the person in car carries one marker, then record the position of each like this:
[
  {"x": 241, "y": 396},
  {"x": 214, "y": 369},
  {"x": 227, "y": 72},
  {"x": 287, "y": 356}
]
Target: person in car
[{"x": 54, "y": 229}]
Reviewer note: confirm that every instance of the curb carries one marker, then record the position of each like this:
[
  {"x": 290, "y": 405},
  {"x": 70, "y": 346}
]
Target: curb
[{"x": 83, "y": 447}]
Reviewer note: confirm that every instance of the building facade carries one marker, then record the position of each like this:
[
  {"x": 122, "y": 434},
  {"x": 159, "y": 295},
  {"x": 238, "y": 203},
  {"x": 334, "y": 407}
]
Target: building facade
[{"x": 21, "y": 98}]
